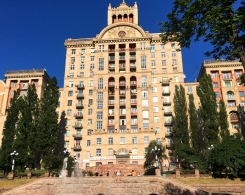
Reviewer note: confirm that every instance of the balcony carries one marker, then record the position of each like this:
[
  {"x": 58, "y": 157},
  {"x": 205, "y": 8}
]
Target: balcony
[
  {"x": 122, "y": 83},
  {"x": 110, "y": 130},
  {"x": 78, "y": 115},
  {"x": 164, "y": 93},
  {"x": 80, "y": 86},
  {"x": 111, "y": 67},
  {"x": 133, "y": 101},
  {"x": 121, "y": 57},
  {"x": 79, "y": 105},
  {"x": 78, "y": 126},
  {"x": 111, "y": 102},
  {"x": 77, "y": 136},
  {"x": 168, "y": 134},
  {"x": 167, "y": 113},
  {"x": 165, "y": 82},
  {"x": 77, "y": 148},
  {"x": 80, "y": 96},
  {"x": 133, "y": 83},
  {"x": 132, "y": 57},
  {"x": 122, "y": 103},
  {"x": 132, "y": 65},
  {"x": 169, "y": 145},
  {"x": 111, "y": 58},
  {"x": 168, "y": 123},
  {"x": 122, "y": 93},
  {"x": 166, "y": 103},
  {"x": 111, "y": 94},
  {"x": 133, "y": 113},
  {"x": 122, "y": 66},
  {"x": 111, "y": 84}
]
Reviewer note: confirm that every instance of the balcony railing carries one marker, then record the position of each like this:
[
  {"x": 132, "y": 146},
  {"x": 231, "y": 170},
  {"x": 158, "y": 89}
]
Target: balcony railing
[
  {"x": 133, "y": 83},
  {"x": 121, "y": 57},
  {"x": 165, "y": 82},
  {"x": 122, "y": 102},
  {"x": 77, "y": 148},
  {"x": 132, "y": 57},
  {"x": 167, "y": 113},
  {"x": 79, "y": 105},
  {"x": 78, "y": 115},
  {"x": 132, "y": 65},
  {"x": 168, "y": 123},
  {"x": 133, "y": 101},
  {"x": 111, "y": 102},
  {"x": 78, "y": 126},
  {"x": 80, "y": 96},
  {"x": 133, "y": 113},
  {"x": 166, "y": 103},
  {"x": 77, "y": 136},
  {"x": 80, "y": 86},
  {"x": 111, "y": 84},
  {"x": 165, "y": 93},
  {"x": 122, "y": 83},
  {"x": 111, "y": 66}
]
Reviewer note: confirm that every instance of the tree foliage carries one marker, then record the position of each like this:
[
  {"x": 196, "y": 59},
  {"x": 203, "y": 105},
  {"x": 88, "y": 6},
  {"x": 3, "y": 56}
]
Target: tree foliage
[
  {"x": 150, "y": 155},
  {"x": 208, "y": 114},
  {"x": 223, "y": 120},
  {"x": 220, "y": 22}
]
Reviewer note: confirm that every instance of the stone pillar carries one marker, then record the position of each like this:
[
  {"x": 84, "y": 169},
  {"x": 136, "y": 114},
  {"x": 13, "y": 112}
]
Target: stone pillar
[
  {"x": 177, "y": 173},
  {"x": 10, "y": 175},
  {"x": 197, "y": 173},
  {"x": 29, "y": 174},
  {"x": 158, "y": 172}
]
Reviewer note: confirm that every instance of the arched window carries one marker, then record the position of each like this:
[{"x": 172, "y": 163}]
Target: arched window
[
  {"x": 125, "y": 18},
  {"x": 144, "y": 81},
  {"x": 114, "y": 19},
  {"x": 98, "y": 152},
  {"x": 131, "y": 18},
  {"x": 119, "y": 18},
  {"x": 100, "y": 83},
  {"x": 230, "y": 95}
]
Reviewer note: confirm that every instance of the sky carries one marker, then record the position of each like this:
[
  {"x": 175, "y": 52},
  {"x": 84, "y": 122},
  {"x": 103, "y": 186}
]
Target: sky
[{"x": 32, "y": 32}]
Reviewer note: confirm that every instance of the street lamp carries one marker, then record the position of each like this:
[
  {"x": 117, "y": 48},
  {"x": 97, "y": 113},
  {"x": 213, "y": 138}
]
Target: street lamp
[
  {"x": 66, "y": 154},
  {"x": 177, "y": 162},
  {"x": 156, "y": 151},
  {"x": 13, "y": 155},
  {"x": 211, "y": 147}
]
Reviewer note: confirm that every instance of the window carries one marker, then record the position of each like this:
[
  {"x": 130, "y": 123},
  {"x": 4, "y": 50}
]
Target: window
[
  {"x": 68, "y": 132},
  {"x": 145, "y": 150},
  {"x": 91, "y": 74},
  {"x": 226, "y": 75},
  {"x": 227, "y": 83},
  {"x": 144, "y": 81},
  {"x": 158, "y": 140},
  {"x": 14, "y": 84},
  {"x": 155, "y": 99},
  {"x": 134, "y": 151},
  {"x": 164, "y": 62},
  {"x": 215, "y": 84},
  {"x": 142, "y": 46},
  {"x": 153, "y": 55},
  {"x": 157, "y": 130},
  {"x": 70, "y": 84},
  {"x": 164, "y": 70},
  {"x": 72, "y": 67},
  {"x": 110, "y": 140},
  {"x": 145, "y": 123},
  {"x": 176, "y": 79},
  {"x": 68, "y": 122},
  {"x": 99, "y": 125},
  {"x": 213, "y": 74},
  {"x": 174, "y": 61},
  {"x": 66, "y": 145},
  {"x": 91, "y": 66},
  {"x": 82, "y": 66},
  {"x": 101, "y": 63},
  {"x": 144, "y": 103},
  {"x": 143, "y": 61},
  {"x": 146, "y": 139},
  {"x": 71, "y": 75},
  {"x": 241, "y": 93},
  {"x": 82, "y": 51},
  {"x": 162, "y": 46},
  {"x": 122, "y": 140},
  {"x": 99, "y": 116},
  {"x": 175, "y": 69},
  {"x": 231, "y": 104},
  {"x": 88, "y": 142},
  {"x": 90, "y": 101},
  {"x": 173, "y": 46},
  {"x": 72, "y": 59},
  {"x": 73, "y": 51},
  {"x": 82, "y": 58},
  {"x": 100, "y": 104},
  {"x": 155, "y": 109},
  {"x": 91, "y": 58},
  {"x": 98, "y": 141},
  {"x": 134, "y": 140},
  {"x": 110, "y": 152},
  {"x": 81, "y": 74},
  {"x": 92, "y": 50},
  {"x": 89, "y": 131},
  {"x": 238, "y": 73},
  {"x": 100, "y": 83},
  {"x": 100, "y": 95},
  {"x": 156, "y": 119},
  {"x": 153, "y": 62},
  {"x": 189, "y": 89},
  {"x": 144, "y": 94},
  {"x": 98, "y": 152},
  {"x": 69, "y": 103},
  {"x": 101, "y": 48},
  {"x": 154, "y": 71},
  {"x": 89, "y": 121},
  {"x": 173, "y": 54},
  {"x": 217, "y": 95},
  {"x": 70, "y": 93},
  {"x": 90, "y": 92},
  {"x": 163, "y": 54},
  {"x": 69, "y": 112},
  {"x": 152, "y": 47},
  {"x": 154, "y": 89},
  {"x": 154, "y": 80},
  {"x": 88, "y": 154},
  {"x": 90, "y": 111}
]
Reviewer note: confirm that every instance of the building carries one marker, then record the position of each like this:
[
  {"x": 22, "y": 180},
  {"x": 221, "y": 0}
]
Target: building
[
  {"x": 19, "y": 79},
  {"x": 226, "y": 84},
  {"x": 118, "y": 91}
]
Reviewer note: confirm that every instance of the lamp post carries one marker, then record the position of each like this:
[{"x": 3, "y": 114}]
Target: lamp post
[
  {"x": 156, "y": 151},
  {"x": 13, "y": 155}
]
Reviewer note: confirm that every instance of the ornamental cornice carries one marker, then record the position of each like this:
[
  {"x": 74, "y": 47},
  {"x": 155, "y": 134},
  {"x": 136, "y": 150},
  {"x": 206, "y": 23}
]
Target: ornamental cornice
[
  {"x": 24, "y": 76},
  {"x": 222, "y": 65},
  {"x": 122, "y": 40}
]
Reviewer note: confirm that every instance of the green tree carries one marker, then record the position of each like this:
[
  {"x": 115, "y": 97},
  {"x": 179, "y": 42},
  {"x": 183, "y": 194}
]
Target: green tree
[
  {"x": 180, "y": 126},
  {"x": 194, "y": 19},
  {"x": 228, "y": 157},
  {"x": 48, "y": 129},
  {"x": 150, "y": 155},
  {"x": 223, "y": 120},
  {"x": 52, "y": 163},
  {"x": 194, "y": 123},
  {"x": 9, "y": 132},
  {"x": 208, "y": 113}
]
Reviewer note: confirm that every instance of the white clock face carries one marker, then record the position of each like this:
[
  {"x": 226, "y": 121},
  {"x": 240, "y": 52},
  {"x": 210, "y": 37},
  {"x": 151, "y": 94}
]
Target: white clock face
[{"x": 121, "y": 34}]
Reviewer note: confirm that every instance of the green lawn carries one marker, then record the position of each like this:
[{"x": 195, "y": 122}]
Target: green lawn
[{"x": 8, "y": 184}]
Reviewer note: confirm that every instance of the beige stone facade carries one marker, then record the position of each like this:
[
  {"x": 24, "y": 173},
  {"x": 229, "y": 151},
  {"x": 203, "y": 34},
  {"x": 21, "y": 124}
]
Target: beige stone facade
[
  {"x": 118, "y": 91},
  {"x": 19, "y": 79}
]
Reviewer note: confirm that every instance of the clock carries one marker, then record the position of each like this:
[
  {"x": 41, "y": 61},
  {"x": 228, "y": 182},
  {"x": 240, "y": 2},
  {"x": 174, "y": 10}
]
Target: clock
[{"x": 121, "y": 34}]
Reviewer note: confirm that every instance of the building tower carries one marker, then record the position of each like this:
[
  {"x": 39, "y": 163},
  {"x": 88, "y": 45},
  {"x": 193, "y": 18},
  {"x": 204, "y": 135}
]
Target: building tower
[{"x": 118, "y": 91}]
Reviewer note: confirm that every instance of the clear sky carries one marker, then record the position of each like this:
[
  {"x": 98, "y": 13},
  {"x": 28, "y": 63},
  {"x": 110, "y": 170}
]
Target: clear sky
[{"x": 32, "y": 32}]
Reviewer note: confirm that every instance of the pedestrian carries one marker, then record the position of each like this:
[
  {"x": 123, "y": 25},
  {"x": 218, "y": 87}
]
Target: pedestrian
[{"x": 118, "y": 174}]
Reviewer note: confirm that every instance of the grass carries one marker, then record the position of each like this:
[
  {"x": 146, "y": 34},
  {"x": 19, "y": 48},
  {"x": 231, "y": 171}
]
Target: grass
[
  {"x": 8, "y": 184},
  {"x": 222, "y": 181}
]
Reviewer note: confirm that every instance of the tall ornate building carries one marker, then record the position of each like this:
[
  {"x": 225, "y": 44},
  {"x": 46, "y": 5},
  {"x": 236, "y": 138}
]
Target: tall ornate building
[{"x": 118, "y": 91}]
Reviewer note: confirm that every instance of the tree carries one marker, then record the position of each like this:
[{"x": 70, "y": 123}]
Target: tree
[
  {"x": 180, "y": 126},
  {"x": 194, "y": 123},
  {"x": 9, "y": 132},
  {"x": 208, "y": 113},
  {"x": 52, "y": 163},
  {"x": 195, "y": 19},
  {"x": 223, "y": 120},
  {"x": 150, "y": 155},
  {"x": 228, "y": 156},
  {"x": 48, "y": 128}
]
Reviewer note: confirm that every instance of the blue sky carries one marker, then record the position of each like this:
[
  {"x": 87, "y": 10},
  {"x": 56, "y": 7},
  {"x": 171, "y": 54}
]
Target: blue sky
[{"x": 33, "y": 32}]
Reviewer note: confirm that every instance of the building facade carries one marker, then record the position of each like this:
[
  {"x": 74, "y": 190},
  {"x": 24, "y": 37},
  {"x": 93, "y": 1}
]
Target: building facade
[
  {"x": 118, "y": 91},
  {"x": 19, "y": 79}
]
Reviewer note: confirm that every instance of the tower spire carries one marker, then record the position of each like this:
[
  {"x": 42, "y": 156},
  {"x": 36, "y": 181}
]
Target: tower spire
[{"x": 123, "y": 2}]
